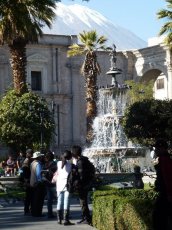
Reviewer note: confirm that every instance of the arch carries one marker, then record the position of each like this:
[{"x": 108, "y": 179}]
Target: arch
[
  {"x": 160, "y": 87},
  {"x": 152, "y": 74}
]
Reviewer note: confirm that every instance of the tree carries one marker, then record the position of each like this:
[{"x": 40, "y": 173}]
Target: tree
[
  {"x": 139, "y": 91},
  {"x": 91, "y": 42},
  {"x": 20, "y": 121},
  {"x": 21, "y": 23},
  {"x": 167, "y": 27},
  {"x": 146, "y": 121}
]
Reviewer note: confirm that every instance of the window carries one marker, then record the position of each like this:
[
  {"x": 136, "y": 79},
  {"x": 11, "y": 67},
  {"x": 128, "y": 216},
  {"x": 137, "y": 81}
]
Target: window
[
  {"x": 36, "y": 81},
  {"x": 160, "y": 83}
]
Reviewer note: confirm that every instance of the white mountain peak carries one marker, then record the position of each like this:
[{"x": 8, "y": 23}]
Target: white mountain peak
[{"x": 74, "y": 19}]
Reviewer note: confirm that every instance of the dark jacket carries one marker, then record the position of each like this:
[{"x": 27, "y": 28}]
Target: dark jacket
[
  {"x": 51, "y": 168},
  {"x": 84, "y": 170}
]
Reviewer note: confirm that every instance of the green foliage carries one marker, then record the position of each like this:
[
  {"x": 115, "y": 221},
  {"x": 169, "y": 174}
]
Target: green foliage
[
  {"x": 147, "y": 120},
  {"x": 17, "y": 192},
  {"x": 123, "y": 209},
  {"x": 20, "y": 122},
  {"x": 133, "y": 214},
  {"x": 167, "y": 27},
  {"x": 139, "y": 91},
  {"x": 24, "y": 19},
  {"x": 134, "y": 193},
  {"x": 90, "y": 43}
]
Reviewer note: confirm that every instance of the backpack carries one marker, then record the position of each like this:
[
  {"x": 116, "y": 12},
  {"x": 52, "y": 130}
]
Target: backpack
[{"x": 73, "y": 180}]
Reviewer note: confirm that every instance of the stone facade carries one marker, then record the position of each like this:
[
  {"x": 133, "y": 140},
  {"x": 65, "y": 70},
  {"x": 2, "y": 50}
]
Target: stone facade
[{"x": 63, "y": 85}]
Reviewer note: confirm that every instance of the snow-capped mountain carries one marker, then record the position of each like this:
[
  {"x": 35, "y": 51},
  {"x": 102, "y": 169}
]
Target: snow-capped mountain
[{"x": 73, "y": 19}]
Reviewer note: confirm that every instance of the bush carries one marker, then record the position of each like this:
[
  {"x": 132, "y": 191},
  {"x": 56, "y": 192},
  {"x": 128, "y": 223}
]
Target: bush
[{"x": 120, "y": 209}]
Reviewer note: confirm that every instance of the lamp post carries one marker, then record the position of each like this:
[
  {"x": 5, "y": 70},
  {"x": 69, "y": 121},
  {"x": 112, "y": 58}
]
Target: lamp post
[
  {"x": 55, "y": 107},
  {"x": 56, "y": 115},
  {"x": 42, "y": 131}
]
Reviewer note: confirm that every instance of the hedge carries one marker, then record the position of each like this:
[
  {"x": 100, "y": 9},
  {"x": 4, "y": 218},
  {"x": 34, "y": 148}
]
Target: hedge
[{"x": 127, "y": 209}]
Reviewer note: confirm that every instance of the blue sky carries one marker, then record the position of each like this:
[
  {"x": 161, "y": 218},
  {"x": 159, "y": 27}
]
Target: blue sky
[{"x": 139, "y": 16}]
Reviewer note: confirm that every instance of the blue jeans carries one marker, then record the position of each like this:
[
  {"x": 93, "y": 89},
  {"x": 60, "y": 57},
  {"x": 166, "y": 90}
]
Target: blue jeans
[
  {"x": 63, "y": 199},
  {"x": 51, "y": 192}
]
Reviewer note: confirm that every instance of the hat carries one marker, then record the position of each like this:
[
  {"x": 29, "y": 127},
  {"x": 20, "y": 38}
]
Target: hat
[{"x": 37, "y": 154}]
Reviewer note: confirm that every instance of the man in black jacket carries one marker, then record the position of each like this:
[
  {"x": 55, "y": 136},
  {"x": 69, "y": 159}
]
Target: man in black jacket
[
  {"x": 26, "y": 180},
  {"x": 85, "y": 183},
  {"x": 50, "y": 168}
]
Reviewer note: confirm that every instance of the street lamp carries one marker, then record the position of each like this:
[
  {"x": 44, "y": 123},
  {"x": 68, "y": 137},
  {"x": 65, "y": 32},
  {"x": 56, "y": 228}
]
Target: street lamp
[{"x": 41, "y": 118}]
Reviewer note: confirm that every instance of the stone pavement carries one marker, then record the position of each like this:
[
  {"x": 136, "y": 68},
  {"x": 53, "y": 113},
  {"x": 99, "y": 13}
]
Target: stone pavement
[{"x": 12, "y": 218}]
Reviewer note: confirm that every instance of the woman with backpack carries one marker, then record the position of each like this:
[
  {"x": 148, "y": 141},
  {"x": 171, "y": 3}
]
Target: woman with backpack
[{"x": 64, "y": 167}]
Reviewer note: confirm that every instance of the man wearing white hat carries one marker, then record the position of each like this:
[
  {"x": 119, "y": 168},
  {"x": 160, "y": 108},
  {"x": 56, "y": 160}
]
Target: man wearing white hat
[{"x": 37, "y": 186}]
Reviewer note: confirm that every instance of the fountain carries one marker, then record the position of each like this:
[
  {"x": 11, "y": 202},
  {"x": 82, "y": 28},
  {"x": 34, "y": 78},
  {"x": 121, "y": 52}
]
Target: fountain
[{"x": 111, "y": 151}]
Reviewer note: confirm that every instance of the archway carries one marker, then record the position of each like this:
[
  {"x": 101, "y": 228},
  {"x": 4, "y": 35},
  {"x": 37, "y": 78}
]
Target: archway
[{"x": 160, "y": 83}]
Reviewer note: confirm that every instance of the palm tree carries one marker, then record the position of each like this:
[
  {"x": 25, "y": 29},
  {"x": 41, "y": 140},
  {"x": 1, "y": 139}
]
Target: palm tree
[
  {"x": 167, "y": 27},
  {"x": 21, "y": 23},
  {"x": 91, "y": 42}
]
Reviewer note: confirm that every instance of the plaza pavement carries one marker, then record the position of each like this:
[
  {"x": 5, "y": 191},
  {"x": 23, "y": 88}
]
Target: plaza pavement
[{"x": 12, "y": 218}]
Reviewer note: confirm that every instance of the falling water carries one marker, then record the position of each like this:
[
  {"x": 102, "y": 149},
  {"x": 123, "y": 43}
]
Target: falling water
[
  {"x": 108, "y": 132},
  {"x": 111, "y": 151}
]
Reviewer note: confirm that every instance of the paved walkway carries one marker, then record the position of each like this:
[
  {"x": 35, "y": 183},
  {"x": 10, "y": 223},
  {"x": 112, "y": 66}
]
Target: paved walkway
[{"x": 12, "y": 218}]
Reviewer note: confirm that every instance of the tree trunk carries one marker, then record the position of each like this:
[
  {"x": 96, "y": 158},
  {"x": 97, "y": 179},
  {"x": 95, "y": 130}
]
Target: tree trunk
[
  {"x": 91, "y": 93},
  {"x": 18, "y": 64}
]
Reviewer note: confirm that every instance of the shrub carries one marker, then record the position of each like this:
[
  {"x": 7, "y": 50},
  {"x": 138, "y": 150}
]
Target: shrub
[{"x": 120, "y": 209}]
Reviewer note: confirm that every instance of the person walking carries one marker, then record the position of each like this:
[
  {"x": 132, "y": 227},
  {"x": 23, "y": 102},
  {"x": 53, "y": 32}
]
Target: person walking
[
  {"x": 26, "y": 180},
  {"x": 37, "y": 185},
  {"x": 162, "y": 213},
  {"x": 64, "y": 167},
  {"x": 85, "y": 175},
  {"x": 50, "y": 168}
]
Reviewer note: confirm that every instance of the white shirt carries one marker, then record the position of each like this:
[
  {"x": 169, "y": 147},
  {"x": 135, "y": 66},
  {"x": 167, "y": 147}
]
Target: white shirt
[{"x": 62, "y": 175}]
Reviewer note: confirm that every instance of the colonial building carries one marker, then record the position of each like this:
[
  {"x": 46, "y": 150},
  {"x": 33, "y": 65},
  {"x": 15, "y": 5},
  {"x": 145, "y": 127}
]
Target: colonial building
[{"x": 56, "y": 77}]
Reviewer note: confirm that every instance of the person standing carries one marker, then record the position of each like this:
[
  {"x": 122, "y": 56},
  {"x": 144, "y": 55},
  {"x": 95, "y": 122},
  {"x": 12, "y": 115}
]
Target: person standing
[
  {"x": 50, "y": 168},
  {"x": 85, "y": 183},
  {"x": 138, "y": 181},
  {"x": 162, "y": 212},
  {"x": 26, "y": 180},
  {"x": 37, "y": 185},
  {"x": 64, "y": 167}
]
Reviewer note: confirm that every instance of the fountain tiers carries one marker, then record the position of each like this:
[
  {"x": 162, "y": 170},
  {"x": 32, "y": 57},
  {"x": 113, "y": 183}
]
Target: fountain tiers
[{"x": 118, "y": 151}]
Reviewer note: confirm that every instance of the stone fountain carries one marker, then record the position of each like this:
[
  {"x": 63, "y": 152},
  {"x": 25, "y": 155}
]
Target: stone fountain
[{"x": 111, "y": 151}]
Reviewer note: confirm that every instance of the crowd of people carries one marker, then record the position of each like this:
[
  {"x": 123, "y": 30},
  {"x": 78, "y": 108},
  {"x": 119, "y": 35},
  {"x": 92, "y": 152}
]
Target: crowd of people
[
  {"x": 12, "y": 166},
  {"x": 43, "y": 176}
]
